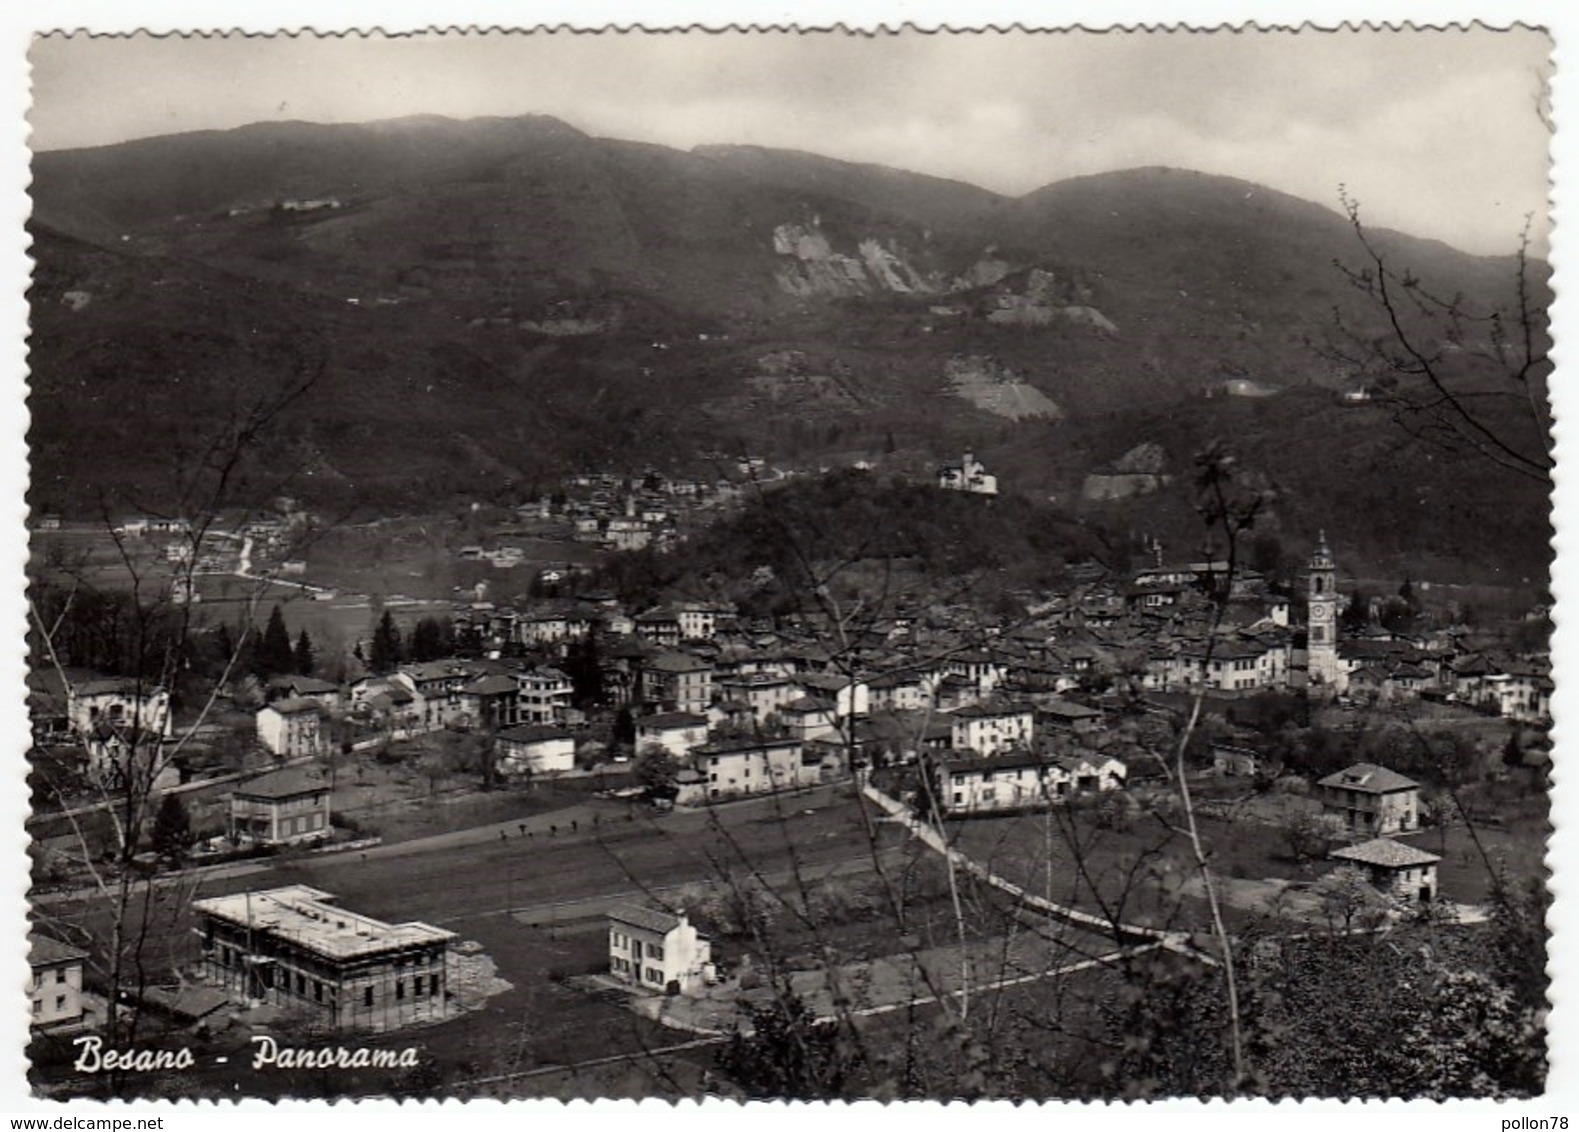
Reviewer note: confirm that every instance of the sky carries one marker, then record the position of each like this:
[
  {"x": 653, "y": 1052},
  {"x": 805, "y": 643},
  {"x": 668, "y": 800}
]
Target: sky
[{"x": 1437, "y": 133}]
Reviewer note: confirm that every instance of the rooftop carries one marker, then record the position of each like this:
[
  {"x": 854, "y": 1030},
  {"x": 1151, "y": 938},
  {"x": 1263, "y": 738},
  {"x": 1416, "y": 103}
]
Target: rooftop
[
  {"x": 307, "y": 685},
  {"x": 534, "y": 733},
  {"x": 1387, "y": 853},
  {"x": 1370, "y": 779},
  {"x": 491, "y": 686},
  {"x": 306, "y": 917},
  {"x": 990, "y": 711},
  {"x": 286, "y": 783},
  {"x": 678, "y": 662},
  {"x": 46, "y": 952},
  {"x": 649, "y": 918},
  {"x": 676, "y": 719},
  {"x": 294, "y": 705}
]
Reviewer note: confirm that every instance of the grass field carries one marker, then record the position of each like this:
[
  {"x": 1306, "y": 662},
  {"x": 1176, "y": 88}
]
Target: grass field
[{"x": 409, "y": 565}]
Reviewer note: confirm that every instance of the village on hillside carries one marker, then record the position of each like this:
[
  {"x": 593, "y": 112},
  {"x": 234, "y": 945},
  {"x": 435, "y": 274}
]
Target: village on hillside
[{"x": 1343, "y": 752}]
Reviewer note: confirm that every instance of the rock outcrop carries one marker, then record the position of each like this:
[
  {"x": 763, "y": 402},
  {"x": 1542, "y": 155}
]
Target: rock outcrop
[
  {"x": 1140, "y": 471},
  {"x": 816, "y": 268},
  {"x": 989, "y": 385}
]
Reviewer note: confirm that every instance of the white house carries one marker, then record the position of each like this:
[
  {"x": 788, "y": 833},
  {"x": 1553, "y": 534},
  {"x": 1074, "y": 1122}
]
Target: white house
[
  {"x": 756, "y": 766},
  {"x": 851, "y": 695},
  {"x": 968, "y": 475},
  {"x": 1372, "y": 800},
  {"x": 56, "y": 983},
  {"x": 675, "y": 731},
  {"x": 1398, "y": 869},
  {"x": 118, "y": 701},
  {"x": 658, "y": 951},
  {"x": 968, "y": 784},
  {"x": 292, "y": 727},
  {"x": 988, "y": 728},
  {"x": 534, "y": 749},
  {"x": 810, "y": 717}
]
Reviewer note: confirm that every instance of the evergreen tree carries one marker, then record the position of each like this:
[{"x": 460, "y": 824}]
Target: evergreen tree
[
  {"x": 224, "y": 649},
  {"x": 303, "y": 657},
  {"x": 585, "y": 670},
  {"x": 274, "y": 656},
  {"x": 625, "y": 729},
  {"x": 384, "y": 654},
  {"x": 172, "y": 831},
  {"x": 430, "y": 639},
  {"x": 1357, "y": 614}
]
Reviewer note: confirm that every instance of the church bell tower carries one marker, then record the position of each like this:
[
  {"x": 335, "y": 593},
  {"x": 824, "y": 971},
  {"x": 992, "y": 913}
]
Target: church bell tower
[{"x": 1322, "y": 639}]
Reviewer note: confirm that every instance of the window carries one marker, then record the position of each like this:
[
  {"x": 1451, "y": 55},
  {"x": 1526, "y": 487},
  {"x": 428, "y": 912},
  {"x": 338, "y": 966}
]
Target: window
[
  {"x": 416, "y": 987},
  {"x": 38, "y": 1006},
  {"x": 301, "y": 983},
  {"x": 38, "y": 979},
  {"x": 655, "y": 951},
  {"x": 400, "y": 988},
  {"x": 367, "y": 996},
  {"x": 60, "y": 1002},
  {"x": 317, "y": 990}
]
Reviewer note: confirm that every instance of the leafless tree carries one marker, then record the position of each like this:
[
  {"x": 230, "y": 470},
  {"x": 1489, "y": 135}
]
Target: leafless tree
[
  {"x": 1468, "y": 374},
  {"x": 122, "y": 912}
]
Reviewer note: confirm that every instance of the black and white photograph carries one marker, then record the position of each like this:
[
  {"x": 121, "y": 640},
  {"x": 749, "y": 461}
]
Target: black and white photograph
[{"x": 788, "y": 564}]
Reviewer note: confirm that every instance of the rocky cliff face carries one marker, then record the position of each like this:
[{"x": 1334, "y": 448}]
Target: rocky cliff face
[
  {"x": 988, "y": 384},
  {"x": 815, "y": 268},
  {"x": 1047, "y": 298}
]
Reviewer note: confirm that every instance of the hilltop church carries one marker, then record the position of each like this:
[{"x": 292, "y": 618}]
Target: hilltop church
[{"x": 970, "y": 474}]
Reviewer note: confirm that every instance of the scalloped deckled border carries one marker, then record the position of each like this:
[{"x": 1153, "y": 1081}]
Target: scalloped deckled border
[{"x": 295, "y": 18}]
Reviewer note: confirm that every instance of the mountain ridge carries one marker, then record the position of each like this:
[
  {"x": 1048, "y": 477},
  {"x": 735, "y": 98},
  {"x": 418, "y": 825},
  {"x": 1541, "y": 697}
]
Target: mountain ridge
[{"x": 575, "y": 300}]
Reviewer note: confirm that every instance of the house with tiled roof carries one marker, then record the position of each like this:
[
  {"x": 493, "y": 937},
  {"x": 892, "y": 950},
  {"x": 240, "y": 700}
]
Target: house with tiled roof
[
  {"x": 991, "y": 727},
  {"x": 851, "y": 694},
  {"x": 1066, "y": 715},
  {"x": 1371, "y": 800},
  {"x": 292, "y": 727},
  {"x": 967, "y": 783},
  {"x": 901, "y": 690},
  {"x": 675, "y": 731},
  {"x": 1397, "y": 868},
  {"x": 534, "y": 748},
  {"x": 661, "y": 626},
  {"x": 735, "y": 767},
  {"x": 56, "y": 983},
  {"x": 544, "y": 694},
  {"x": 766, "y": 692},
  {"x": 305, "y": 688},
  {"x": 677, "y": 681},
  {"x": 810, "y": 717},
  {"x": 285, "y": 807},
  {"x": 117, "y": 701},
  {"x": 658, "y": 951}
]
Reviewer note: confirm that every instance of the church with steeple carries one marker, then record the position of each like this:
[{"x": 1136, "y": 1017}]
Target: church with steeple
[{"x": 1326, "y": 671}]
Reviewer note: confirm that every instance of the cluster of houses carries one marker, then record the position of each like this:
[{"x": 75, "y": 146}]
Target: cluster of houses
[
  {"x": 697, "y": 675},
  {"x": 1373, "y": 806},
  {"x": 651, "y": 509}
]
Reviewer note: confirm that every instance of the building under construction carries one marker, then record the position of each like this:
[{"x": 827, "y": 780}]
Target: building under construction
[{"x": 294, "y": 949}]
